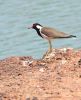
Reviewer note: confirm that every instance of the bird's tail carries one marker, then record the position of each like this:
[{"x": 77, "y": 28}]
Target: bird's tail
[{"x": 70, "y": 36}]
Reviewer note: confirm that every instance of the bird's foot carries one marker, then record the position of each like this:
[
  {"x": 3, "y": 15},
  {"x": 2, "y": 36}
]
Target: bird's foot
[{"x": 46, "y": 54}]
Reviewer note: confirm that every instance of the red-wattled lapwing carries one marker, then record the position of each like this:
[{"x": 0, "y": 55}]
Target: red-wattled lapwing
[{"x": 49, "y": 33}]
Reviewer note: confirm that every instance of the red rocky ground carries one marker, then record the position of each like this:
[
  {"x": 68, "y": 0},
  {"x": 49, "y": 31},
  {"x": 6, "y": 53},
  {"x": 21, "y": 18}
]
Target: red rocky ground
[{"x": 57, "y": 77}]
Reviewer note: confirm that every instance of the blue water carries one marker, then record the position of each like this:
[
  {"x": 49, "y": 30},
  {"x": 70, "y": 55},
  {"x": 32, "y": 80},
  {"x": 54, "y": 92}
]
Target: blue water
[{"x": 17, "y": 15}]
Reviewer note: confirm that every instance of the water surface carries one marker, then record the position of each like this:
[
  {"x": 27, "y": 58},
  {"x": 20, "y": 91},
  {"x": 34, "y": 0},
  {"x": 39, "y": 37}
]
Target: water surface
[{"x": 17, "y": 15}]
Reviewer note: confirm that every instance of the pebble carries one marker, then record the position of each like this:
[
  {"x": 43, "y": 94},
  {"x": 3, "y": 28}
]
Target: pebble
[{"x": 41, "y": 69}]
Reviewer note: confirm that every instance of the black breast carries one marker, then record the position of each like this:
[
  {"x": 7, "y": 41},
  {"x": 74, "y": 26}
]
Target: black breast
[{"x": 38, "y": 32}]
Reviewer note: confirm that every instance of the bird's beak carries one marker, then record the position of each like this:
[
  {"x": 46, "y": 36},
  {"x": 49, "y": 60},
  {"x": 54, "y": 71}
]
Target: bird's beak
[{"x": 29, "y": 27}]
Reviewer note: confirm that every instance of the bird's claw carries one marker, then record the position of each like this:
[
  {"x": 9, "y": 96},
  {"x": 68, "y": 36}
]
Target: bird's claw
[{"x": 46, "y": 54}]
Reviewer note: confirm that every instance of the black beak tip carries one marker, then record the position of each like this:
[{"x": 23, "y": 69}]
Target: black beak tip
[{"x": 29, "y": 27}]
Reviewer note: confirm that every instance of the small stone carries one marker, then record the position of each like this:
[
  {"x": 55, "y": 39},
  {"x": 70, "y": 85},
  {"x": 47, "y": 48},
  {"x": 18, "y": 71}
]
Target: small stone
[
  {"x": 41, "y": 69},
  {"x": 63, "y": 49},
  {"x": 24, "y": 63},
  {"x": 34, "y": 98},
  {"x": 79, "y": 76},
  {"x": 63, "y": 61},
  {"x": 28, "y": 62},
  {"x": 69, "y": 50},
  {"x": 27, "y": 98},
  {"x": 79, "y": 62}
]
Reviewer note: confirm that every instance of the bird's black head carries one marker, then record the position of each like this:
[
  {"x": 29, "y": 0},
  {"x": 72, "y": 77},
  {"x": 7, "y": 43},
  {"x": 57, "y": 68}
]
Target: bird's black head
[{"x": 35, "y": 26}]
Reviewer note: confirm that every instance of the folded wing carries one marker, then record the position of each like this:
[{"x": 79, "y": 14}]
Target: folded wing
[{"x": 53, "y": 33}]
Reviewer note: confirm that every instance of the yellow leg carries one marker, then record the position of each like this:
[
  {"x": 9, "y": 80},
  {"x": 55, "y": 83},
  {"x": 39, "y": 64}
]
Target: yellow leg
[
  {"x": 50, "y": 46},
  {"x": 49, "y": 51}
]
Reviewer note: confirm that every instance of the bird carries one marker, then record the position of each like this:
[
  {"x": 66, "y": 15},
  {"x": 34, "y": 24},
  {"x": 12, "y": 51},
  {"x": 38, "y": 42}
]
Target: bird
[{"x": 49, "y": 33}]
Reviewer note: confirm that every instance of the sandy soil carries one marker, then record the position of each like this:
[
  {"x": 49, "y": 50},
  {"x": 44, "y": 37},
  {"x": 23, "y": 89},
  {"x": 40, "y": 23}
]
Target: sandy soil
[{"x": 57, "y": 77}]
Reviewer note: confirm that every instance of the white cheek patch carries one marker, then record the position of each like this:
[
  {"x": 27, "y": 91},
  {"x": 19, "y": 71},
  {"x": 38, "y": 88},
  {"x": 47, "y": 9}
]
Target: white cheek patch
[{"x": 39, "y": 27}]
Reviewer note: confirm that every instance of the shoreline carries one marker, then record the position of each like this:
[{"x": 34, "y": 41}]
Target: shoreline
[{"x": 56, "y": 77}]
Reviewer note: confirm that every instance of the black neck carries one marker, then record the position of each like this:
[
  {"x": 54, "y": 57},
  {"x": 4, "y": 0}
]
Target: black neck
[{"x": 38, "y": 32}]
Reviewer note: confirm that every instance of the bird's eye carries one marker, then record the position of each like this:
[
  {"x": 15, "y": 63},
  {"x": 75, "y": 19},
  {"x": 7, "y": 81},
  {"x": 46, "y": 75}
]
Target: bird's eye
[{"x": 33, "y": 25}]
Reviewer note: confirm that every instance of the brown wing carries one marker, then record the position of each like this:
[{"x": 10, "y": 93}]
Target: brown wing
[{"x": 53, "y": 33}]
